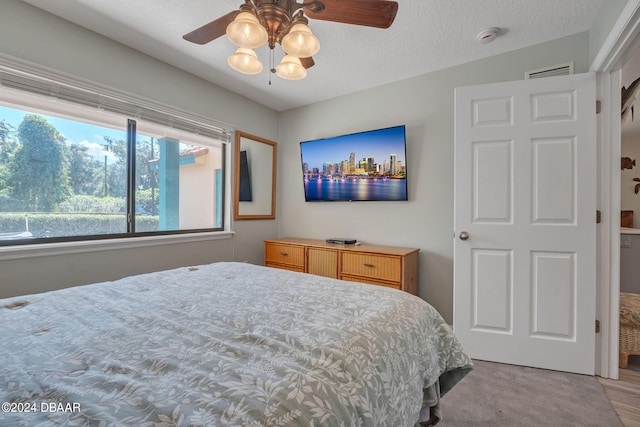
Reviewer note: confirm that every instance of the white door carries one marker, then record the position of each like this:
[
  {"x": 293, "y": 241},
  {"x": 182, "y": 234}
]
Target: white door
[{"x": 525, "y": 218}]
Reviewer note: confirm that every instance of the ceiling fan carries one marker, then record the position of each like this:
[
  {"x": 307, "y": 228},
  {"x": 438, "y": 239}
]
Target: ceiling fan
[{"x": 284, "y": 22}]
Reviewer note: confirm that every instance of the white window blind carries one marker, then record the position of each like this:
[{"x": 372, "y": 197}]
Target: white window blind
[{"x": 21, "y": 76}]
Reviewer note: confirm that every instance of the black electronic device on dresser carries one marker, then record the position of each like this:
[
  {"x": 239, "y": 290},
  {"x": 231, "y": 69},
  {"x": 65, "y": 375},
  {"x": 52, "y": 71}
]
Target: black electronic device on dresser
[{"x": 342, "y": 241}]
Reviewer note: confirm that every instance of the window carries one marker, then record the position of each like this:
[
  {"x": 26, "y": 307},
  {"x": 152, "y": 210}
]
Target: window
[
  {"x": 177, "y": 179},
  {"x": 78, "y": 171}
]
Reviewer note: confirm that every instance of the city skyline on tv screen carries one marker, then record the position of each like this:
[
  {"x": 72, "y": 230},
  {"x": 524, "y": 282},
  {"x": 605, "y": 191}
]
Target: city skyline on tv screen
[
  {"x": 368, "y": 165},
  {"x": 379, "y": 144}
]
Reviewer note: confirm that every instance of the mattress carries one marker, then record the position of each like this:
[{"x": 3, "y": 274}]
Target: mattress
[{"x": 224, "y": 344}]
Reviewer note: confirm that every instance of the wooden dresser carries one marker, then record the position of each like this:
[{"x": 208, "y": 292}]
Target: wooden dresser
[{"x": 391, "y": 266}]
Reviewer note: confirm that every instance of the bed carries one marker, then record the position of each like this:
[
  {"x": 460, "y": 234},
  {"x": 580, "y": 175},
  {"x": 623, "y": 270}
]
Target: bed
[{"x": 225, "y": 344}]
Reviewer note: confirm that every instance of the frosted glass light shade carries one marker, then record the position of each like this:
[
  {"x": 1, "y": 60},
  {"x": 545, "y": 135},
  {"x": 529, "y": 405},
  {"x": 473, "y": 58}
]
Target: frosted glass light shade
[
  {"x": 300, "y": 42},
  {"x": 246, "y": 31},
  {"x": 245, "y": 61},
  {"x": 291, "y": 68}
]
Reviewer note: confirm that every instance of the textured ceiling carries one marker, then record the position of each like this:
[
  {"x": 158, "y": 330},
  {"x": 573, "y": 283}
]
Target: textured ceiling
[{"x": 427, "y": 35}]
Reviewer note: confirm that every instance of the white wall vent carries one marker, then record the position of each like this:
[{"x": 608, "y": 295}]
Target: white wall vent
[{"x": 556, "y": 70}]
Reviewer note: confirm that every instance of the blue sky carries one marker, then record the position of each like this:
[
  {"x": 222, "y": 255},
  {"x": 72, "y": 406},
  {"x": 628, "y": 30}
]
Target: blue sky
[{"x": 379, "y": 144}]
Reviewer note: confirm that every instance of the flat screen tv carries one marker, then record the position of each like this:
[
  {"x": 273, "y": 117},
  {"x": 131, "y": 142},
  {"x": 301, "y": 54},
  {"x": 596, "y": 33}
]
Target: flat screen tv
[{"x": 364, "y": 166}]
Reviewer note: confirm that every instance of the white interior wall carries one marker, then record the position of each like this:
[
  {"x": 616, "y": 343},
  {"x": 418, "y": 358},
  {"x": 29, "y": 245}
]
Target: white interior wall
[
  {"x": 605, "y": 19},
  {"x": 425, "y": 105},
  {"x": 629, "y": 200}
]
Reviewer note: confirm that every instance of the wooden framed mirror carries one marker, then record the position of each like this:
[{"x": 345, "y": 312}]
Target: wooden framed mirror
[{"x": 255, "y": 177}]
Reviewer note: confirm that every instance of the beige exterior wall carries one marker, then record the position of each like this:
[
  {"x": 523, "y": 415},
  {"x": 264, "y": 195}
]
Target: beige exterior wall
[{"x": 198, "y": 207}]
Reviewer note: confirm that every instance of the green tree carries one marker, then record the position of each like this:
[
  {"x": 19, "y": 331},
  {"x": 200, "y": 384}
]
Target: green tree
[
  {"x": 8, "y": 143},
  {"x": 8, "y": 147},
  {"x": 115, "y": 174},
  {"x": 39, "y": 172},
  {"x": 146, "y": 174},
  {"x": 85, "y": 173}
]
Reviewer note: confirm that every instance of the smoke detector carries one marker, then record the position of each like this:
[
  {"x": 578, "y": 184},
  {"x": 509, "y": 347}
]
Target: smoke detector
[{"x": 488, "y": 35}]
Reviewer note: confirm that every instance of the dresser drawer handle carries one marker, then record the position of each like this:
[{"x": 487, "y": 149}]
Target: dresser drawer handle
[
  {"x": 284, "y": 254},
  {"x": 366, "y": 264}
]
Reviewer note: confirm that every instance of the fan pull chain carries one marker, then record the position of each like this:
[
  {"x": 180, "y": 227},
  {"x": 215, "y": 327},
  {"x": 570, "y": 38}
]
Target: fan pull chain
[{"x": 271, "y": 69}]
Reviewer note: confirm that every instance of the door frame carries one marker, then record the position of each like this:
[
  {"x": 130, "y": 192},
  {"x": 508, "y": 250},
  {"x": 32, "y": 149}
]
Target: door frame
[{"x": 623, "y": 40}]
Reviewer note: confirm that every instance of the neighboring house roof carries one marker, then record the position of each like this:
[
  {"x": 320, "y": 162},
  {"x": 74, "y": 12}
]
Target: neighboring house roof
[{"x": 187, "y": 156}]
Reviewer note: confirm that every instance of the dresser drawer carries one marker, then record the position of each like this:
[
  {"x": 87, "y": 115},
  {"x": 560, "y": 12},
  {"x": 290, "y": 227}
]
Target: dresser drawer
[
  {"x": 284, "y": 254},
  {"x": 377, "y": 267},
  {"x": 284, "y": 266},
  {"x": 360, "y": 279}
]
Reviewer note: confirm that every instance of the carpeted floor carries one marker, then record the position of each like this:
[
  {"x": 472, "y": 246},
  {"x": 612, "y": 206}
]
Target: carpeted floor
[{"x": 494, "y": 394}]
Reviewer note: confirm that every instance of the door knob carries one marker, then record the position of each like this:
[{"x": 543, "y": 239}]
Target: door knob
[{"x": 464, "y": 235}]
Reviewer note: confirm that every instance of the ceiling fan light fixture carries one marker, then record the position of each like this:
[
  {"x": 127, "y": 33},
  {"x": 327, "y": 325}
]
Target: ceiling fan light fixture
[
  {"x": 290, "y": 68},
  {"x": 247, "y": 32},
  {"x": 245, "y": 61},
  {"x": 285, "y": 22},
  {"x": 300, "y": 42}
]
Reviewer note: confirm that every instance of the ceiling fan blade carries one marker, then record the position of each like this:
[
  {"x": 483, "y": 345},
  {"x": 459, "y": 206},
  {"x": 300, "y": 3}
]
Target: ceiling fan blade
[
  {"x": 370, "y": 13},
  {"x": 307, "y": 62},
  {"x": 212, "y": 30}
]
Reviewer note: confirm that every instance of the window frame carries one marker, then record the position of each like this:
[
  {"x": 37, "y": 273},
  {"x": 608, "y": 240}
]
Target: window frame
[{"x": 27, "y": 80}]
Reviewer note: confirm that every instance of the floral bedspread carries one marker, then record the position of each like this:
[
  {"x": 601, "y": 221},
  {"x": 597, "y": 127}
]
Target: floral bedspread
[{"x": 222, "y": 344}]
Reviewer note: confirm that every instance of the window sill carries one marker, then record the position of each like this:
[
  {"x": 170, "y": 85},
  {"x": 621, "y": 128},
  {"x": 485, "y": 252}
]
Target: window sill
[{"x": 64, "y": 248}]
